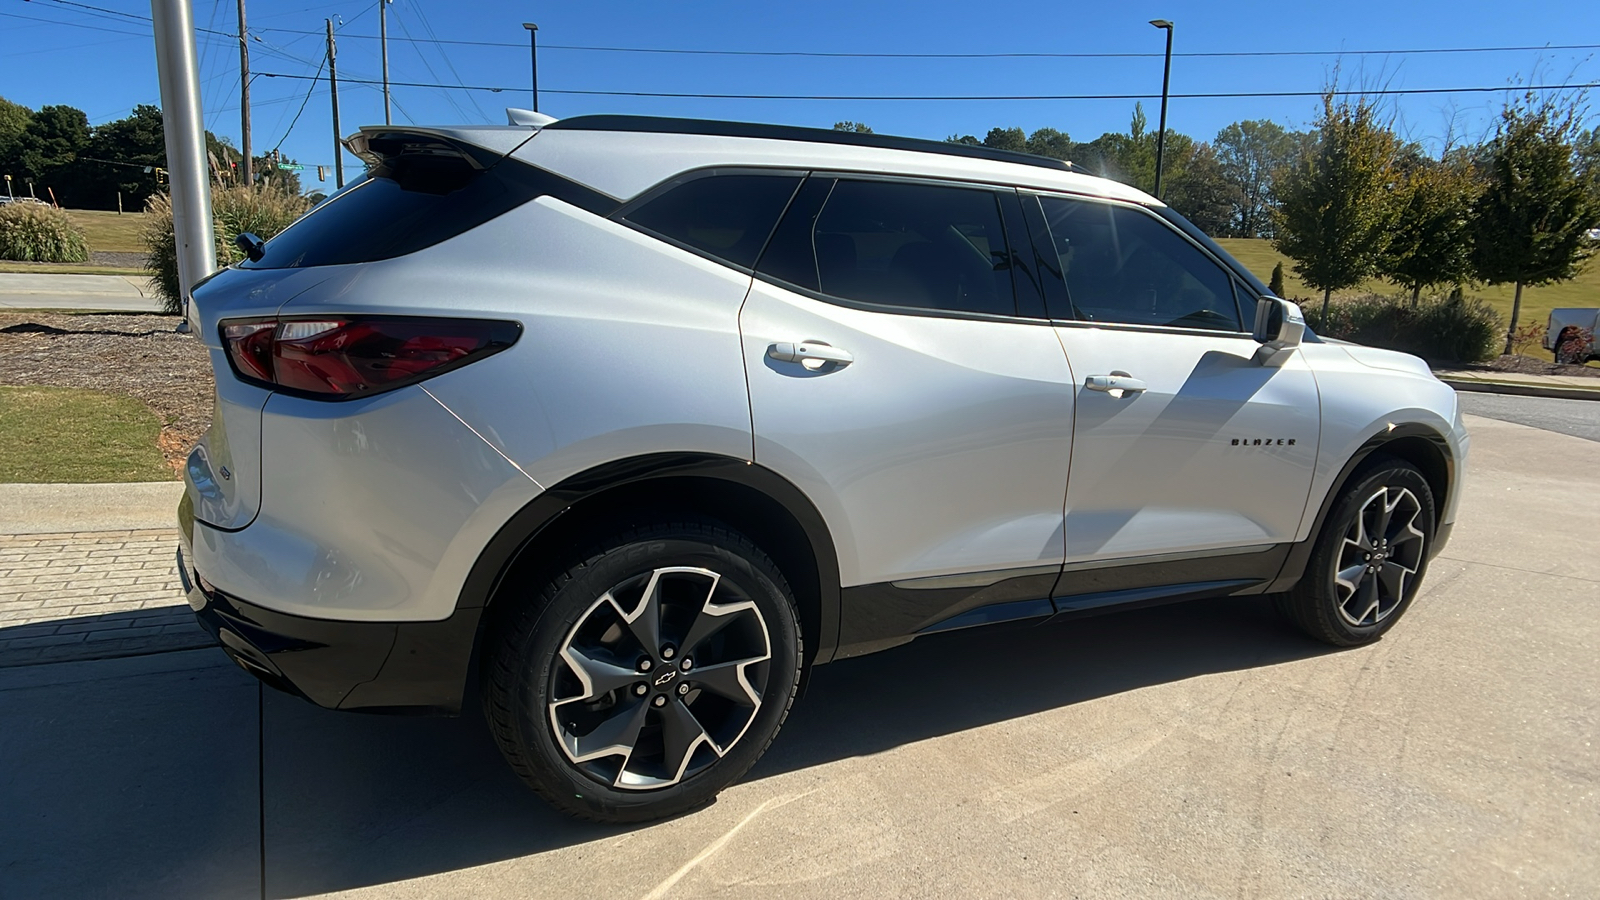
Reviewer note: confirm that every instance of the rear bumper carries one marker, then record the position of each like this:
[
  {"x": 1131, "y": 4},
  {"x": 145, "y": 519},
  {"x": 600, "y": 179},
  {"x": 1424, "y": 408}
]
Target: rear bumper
[{"x": 396, "y": 667}]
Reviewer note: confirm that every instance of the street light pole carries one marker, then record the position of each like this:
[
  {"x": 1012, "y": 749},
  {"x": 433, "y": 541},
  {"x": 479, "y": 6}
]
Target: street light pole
[
  {"x": 533, "y": 49},
  {"x": 1166, "y": 81},
  {"x": 178, "y": 71}
]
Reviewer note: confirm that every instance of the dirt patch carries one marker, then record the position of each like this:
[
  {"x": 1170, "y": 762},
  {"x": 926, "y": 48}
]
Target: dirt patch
[
  {"x": 139, "y": 355},
  {"x": 117, "y": 260},
  {"x": 1530, "y": 365}
]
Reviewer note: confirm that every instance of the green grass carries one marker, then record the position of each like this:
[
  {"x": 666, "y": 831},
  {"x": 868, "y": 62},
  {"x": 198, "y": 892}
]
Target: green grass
[
  {"x": 53, "y": 435},
  {"x": 109, "y": 231},
  {"x": 10, "y": 267},
  {"x": 1259, "y": 257}
]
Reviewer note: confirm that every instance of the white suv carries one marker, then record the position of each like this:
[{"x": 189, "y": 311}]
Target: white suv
[{"x": 636, "y": 420}]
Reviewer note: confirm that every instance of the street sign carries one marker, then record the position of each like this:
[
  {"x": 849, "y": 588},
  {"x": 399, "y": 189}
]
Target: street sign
[{"x": 291, "y": 167}]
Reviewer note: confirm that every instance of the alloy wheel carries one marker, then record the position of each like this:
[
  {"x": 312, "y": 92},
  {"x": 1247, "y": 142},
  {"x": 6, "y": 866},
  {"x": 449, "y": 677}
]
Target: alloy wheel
[
  {"x": 659, "y": 678},
  {"x": 1381, "y": 553}
]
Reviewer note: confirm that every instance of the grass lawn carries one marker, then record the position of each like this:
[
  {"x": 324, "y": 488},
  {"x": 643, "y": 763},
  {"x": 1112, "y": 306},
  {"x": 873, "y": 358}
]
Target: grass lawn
[
  {"x": 10, "y": 267},
  {"x": 1259, "y": 257},
  {"x": 109, "y": 231},
  {"x": 57, "y": 434}
]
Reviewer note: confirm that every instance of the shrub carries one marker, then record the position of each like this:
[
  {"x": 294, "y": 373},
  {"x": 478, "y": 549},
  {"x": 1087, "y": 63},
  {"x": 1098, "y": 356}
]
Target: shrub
[
  {"x": 1452, "y": 329},
  {"x": 263, "y": 210},
  {"x": 1276, "y": 285},
  {"x": 1528, "y": 338},
  {"x": 34, "y": 232}
]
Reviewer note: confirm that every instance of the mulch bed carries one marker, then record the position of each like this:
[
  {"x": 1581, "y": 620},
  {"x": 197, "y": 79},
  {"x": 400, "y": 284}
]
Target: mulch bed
[
  {"x": 139, "y": 355},
  {"x": 1530, "y": 365}
]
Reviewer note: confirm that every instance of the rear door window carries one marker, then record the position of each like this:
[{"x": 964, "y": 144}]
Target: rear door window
[
  {"x": 728, "y": 216},
  {"x": 1124, "y": 265},
  {"x": 918, "y": 246}
]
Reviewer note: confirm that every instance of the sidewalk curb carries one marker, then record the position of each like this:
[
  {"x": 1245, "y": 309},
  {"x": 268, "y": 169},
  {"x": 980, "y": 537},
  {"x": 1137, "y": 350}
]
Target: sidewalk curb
[{"x": 1522, "y": 390}]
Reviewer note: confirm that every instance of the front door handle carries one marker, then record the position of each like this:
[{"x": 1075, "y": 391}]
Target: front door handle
[
  {"x": 814, "y": 353},
  {"x": 1117, "y": 384}
]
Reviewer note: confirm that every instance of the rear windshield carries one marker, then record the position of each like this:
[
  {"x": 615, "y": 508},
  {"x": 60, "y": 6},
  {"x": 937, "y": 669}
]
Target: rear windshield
[{"x": 410, "y": 201}]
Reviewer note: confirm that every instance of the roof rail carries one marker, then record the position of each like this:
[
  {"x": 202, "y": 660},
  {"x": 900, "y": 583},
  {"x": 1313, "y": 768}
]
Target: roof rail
[{"x": 664, "y": 125}]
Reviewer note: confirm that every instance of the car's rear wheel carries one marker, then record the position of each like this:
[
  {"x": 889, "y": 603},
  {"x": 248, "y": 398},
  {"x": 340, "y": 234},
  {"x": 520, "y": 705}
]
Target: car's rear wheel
[
  {"x": 1369, "y": 559},
  {"x": 649, "y": 675}
]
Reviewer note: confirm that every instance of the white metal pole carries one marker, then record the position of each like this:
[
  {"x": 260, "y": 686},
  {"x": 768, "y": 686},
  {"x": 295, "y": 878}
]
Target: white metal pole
[{"x": 176, "y": 65}]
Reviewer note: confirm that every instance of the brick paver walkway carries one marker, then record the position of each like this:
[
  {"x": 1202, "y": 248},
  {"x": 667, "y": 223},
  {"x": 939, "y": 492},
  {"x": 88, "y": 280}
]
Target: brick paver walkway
[{"x": 92, "y": 595}]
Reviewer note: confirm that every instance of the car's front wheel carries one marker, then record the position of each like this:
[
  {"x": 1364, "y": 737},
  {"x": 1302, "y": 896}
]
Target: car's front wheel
[
  {"x": 649, "y": 675},
  {"x": 1369, "y": 559}
]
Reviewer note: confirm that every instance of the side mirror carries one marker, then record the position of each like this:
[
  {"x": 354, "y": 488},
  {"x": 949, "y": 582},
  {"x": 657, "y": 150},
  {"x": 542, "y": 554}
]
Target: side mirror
[
  {"x": 254, "y": 247},
  {"x": 1279, "y": 327}
]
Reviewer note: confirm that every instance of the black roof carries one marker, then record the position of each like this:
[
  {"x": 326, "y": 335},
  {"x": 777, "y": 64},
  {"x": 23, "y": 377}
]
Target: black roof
[{"x": 664, "y": 125}]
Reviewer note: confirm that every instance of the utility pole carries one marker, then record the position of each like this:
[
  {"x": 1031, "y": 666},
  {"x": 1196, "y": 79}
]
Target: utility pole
[
  {"x": 383, "y": 45},
  {"x": 333, "y": 82},
  {"x": 178, "y": 68},
  {"x": 244, "y": 96},
  {"x": 533, "y": 47}
]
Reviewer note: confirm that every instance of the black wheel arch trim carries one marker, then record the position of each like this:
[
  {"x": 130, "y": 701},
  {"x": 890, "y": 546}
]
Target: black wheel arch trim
[
  {"x": 522, "y": 530},
  {"x": 1294, "y": 564}
]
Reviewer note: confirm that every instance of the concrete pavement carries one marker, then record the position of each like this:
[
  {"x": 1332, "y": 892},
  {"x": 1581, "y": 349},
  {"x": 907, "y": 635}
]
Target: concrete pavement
[
  {"x": 1563, "y": 387},
  {"x": 100, "y": 293},
  {"x": 1188, "y": 751},
  {"x": 1574, "y": 417}
]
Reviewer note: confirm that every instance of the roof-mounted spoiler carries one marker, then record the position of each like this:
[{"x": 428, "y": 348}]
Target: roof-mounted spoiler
[{"x": 515, "y": 116}]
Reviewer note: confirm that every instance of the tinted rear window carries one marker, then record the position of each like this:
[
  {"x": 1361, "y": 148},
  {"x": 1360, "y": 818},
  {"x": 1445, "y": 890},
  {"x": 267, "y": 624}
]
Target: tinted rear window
[
  {"x": 406, "y": 204},
  {"x": 726, "y": 216}
]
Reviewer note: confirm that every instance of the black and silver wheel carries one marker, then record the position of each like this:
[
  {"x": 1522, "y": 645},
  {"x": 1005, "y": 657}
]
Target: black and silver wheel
[
  {"x": 1369, "y": 559},
  {"x": 649, "y": 676}
]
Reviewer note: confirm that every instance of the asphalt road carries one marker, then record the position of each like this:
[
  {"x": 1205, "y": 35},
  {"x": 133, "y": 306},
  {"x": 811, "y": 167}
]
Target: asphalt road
[
  {"x": 1191, "y": 751},
  {"x": 1579, "y": 418}
]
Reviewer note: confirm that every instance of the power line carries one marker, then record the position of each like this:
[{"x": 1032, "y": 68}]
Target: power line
[
  {"x": 302, "y": 108},
  {"x": 1209, "y": 95},
  {"x": 1002, "y": 55}
]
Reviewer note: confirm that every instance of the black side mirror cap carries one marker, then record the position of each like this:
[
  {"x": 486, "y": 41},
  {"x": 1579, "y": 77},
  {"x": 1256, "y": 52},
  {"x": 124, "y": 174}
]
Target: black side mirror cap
[{"x": 253, "y": 247}]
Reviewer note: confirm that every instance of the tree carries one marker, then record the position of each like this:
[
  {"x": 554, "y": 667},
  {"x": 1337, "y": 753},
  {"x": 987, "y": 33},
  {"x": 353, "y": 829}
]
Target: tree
[
  {"x": 1539, "y": 200},
  {"x": 1200, "y": 190},
  {"x": 1276, "y": 284},
  {"x": 121, "y": 156},
  {"x": 1250, "y": 154},
  {"x": 1052, "y": 143},
  {"x": 14, "y": 119},
  {"x": 1431, "y": 241},
  {"x": 1006, "y": 139},
  {"x": 1334, "y": 210},
  {"x": 50, "y": 144},
  {"x": 854, "y": 127}
]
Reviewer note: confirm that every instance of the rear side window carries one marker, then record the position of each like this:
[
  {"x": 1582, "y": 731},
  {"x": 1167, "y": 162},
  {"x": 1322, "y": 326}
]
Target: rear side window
[
  {"x": 1122, "y": 265},
  {"x": 726, "y": 216},
  {"x": 922, "y": 246},
  {"x": 421, "y": 194}
]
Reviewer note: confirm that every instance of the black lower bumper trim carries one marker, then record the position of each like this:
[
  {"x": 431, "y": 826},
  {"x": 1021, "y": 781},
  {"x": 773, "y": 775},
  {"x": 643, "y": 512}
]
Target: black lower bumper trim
[{"x": 404, "y": 667}]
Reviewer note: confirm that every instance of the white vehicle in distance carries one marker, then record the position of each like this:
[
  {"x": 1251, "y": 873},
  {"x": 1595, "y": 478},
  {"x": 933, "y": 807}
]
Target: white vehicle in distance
[
  {"x": 1570, "y": 335},
  {"x": 637, "y": 420}
]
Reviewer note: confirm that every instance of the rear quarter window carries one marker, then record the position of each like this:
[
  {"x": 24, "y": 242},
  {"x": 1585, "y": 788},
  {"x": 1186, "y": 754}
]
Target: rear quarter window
[{"x": 727, "y": 216}]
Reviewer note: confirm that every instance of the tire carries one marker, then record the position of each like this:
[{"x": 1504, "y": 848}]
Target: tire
[
  {"x": 691, "y": 722},
  {"x": 1343, "y": 598}
]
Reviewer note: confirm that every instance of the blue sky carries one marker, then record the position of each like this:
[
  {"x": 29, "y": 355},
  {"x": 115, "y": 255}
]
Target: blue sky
[{"x": 104, "y": 63}]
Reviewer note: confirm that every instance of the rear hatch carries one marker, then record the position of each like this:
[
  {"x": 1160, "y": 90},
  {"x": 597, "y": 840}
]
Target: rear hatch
[{"x": 422, "y": 187}]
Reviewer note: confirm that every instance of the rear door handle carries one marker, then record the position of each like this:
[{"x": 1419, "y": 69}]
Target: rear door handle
[
  {"x": 1119, "y": 384},
  {"x": 810, "y": 351}
]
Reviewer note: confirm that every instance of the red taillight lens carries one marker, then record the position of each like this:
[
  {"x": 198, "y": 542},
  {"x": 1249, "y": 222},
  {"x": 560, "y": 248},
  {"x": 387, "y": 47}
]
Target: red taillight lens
[{"x": 341, "y": 357}]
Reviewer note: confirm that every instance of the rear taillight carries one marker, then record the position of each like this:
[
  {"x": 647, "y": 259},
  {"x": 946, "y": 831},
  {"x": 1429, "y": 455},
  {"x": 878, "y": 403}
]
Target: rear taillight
[{"x": 343, "y": 357}]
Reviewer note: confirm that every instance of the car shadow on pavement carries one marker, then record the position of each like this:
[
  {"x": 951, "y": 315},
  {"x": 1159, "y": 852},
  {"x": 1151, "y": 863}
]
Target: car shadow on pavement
[{"x": 363, "y": 800}]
